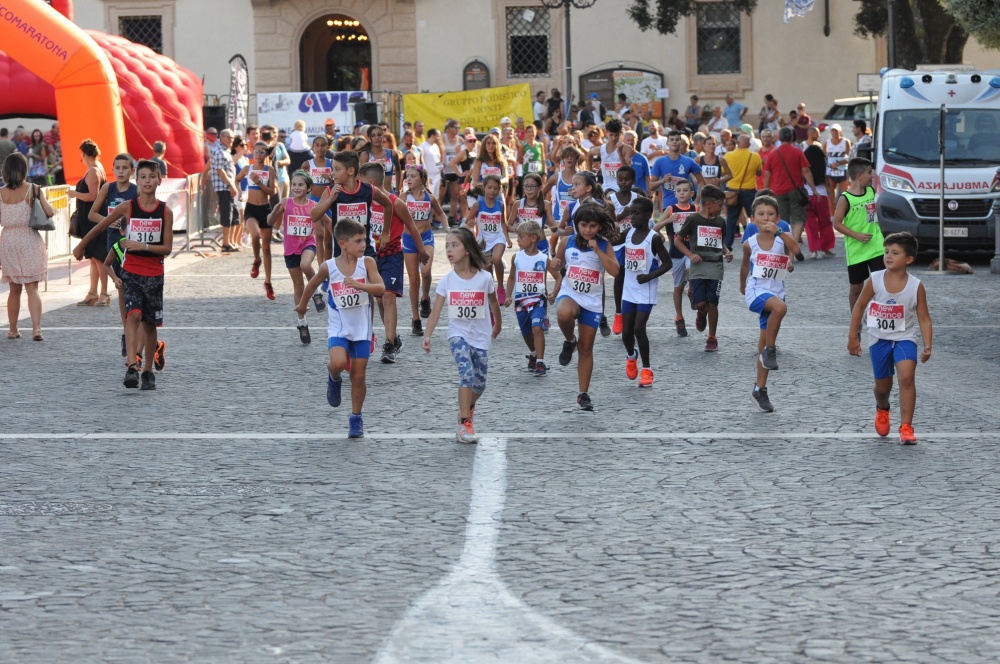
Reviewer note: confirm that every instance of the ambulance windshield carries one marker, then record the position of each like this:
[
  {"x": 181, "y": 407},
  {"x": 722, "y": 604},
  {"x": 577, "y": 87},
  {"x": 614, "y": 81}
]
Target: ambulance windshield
[{"x": 972, "y": 137}]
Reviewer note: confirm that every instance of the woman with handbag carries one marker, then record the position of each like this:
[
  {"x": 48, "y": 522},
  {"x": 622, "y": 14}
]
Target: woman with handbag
[
  {"x": 85, "y": 195},
  {"x": 23, "y": 259}
]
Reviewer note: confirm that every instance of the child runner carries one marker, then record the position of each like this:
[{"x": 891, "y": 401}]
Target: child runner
[
  {"x": 149, "y": 236},
  {"x": 486, "y": 216},
  {"x": 857, "y": 220},
  {"x": 238, "y": 230},
  {"x": 299, "y": 241},
  {"x": 320, "y": 169},
  {"x": 352, "y": 277},
  {"x": 533, "y": 207},
  {"x": 645, "y": 259},
  {"x": 894, "y": 303},
  {"x": 389, "y": 258},
  {"x": 467, "y": 289},
  {"x": 762, "y": 283},
  {"x": 377, "y": 153},
  {"x": 705, "y": 230},
  {"x": 263, "y": 183},
  {"x": 490, "y": 161},
  {"x": 587, "y": 255},
  {"x": 422, "y": 206},
  {"x": 673, "y": 219},
  {"x": 584, "y": 189},
  {"x": 621, "y": 198},
  {"x": 530, "y": 297},
  {"x": 561, "y": 183}
]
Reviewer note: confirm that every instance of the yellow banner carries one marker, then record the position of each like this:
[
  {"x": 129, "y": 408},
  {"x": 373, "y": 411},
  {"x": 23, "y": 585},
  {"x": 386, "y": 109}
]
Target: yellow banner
[{"x": 481, "y": 109}]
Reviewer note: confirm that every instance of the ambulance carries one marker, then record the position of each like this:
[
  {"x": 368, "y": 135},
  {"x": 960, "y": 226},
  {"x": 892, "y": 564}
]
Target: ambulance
[{"x": 906, "y": 154}]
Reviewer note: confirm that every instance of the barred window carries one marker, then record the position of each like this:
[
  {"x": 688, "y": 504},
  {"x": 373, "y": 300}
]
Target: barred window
[
  {"x": 145, "y": 30},
  {"x": 528, "y": 31},
  {"x": 718, "y": 38}
]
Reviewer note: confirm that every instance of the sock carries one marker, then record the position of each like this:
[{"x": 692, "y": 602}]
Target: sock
[
  {"x": 336, "y": 378},
  {"x": 632, "y": 355},
  {"x": 756, "y": 389},
  {"x": 301, "y": 322},
  {"x": 532, "y": 354}
]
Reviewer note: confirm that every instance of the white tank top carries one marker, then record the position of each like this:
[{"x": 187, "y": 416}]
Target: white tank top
[
  {"x": 348, "y": 310},
  {"x": 450, "y": 150},
  {"x": 836, "y": 152},
  {"x": 639, "y": 259},
  {"x": 768, "y": 270},
  {"x": 529, "y": 279},
  {"x": 320, "y": 175},
  {"x": 892, "y": 316},
  {"x": 584, "y": 280},
  {"x": 610, "y": 163},
  {"x": 529, "y": 214}
]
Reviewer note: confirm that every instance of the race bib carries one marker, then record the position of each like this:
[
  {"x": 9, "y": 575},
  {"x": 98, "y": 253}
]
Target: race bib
[
  {"x": 354, "y": 211},
  {"x": 837, "y": 173},
  {"x": 563, "y": 205},
  {"x": 635, "y": 259},
  {"x": 489, "y": 170},
  {"x": 298, "y": 226},
  {"x": 419, "y": 210},
  {"x": 611, "y": 168},
  {"x": 377, "y": 221},
  {"x": 679, "y": 224},
  {"x": 583, "y": 279},
  {"x": 467, "y": 305},
  {"x": 149, "y": 231},
  {"x": 320, "y": 175},
  {"x": 887, "y": 317},
  {"x": 346, "y": 297},
  {"x": 709, "y": 236},
  {"x": 668, "y": 185},
  {"x": 530, "y": 282},
  {"x": 870, "y": 212},
  {"x": 489, "y": 222},
  {"x": 263, "y": 176},
  {"x": 710, "y": 171},
  {"x": 534, "y": 167},
  {"x": 770, "y": 266}
]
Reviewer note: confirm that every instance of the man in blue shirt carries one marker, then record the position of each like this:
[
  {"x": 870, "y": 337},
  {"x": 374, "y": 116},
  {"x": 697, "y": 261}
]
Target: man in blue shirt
[
  {"x": 733, "y": 111},
  {"x": 672, "y": 167},
  {"x": 639, "y": 161}
]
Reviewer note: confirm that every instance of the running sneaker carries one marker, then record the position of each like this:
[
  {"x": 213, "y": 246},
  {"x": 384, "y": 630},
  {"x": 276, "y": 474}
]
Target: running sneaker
[
  {"x": 371, "y": 349},
  {"x": 268, "y": 290},
  {"x": 632, "y": 367},
  {"x": 319, "y": 303},
  {"x": 906, "y": 435},
  {"x": 466, "y": 433},
  {"x": 882, "y": 424},
  {"x": 304, "y": 335},
  {"x": 700, "y": 321},
  {"x": 356, "y": 426},
  {"x": 131, "y": 377},
  {"x": 605, "y": 329},
  {"x": 616, "y": 325},
  {"x": 681, "y": 327},
  {"x": 417, "y": 329},
  {"x": 540, "y": 369},
  {"x": 502, "y": 295},
  {"x": 532, "y": 361},
  {"x": 769, "y": 359},
  {"x": 437, "y": 225},
  {"x": 584, "y": 401},
  {"x": 759, "y": 396},
  {"x": 397, "y": 345},
  {"x": 711, "y": 345},
  {"x": 148, "y": 381},
  {"x": 425, "y": 308},
  {"x": 255, "y": 268},
  {"x": 124, "y": 352},
  {"x": 333, "y": 390},
  {"x": 800, "y": 257},
  {"x": 646, "y": 379},
  {"x": 567, "y": 352},
  {"x": 388, "y": 353},
  {"x": 160, "y": 355}
]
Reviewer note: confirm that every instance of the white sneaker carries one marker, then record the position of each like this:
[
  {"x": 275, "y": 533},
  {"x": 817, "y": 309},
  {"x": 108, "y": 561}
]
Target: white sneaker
[{"x": 466, "y": 434}]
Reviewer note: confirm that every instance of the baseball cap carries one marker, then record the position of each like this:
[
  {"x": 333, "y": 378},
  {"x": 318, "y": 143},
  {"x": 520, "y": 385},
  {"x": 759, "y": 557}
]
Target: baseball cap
[
  {"x": 495, "y": 130},
  {"x": 836, "y": 125},
  {"x": 593, "y": 95},
  {"x": 359, "y": 124},
  {"x": 505, "y": 120},
  {"x": 747, "y": 129},
  {"x": 328, "y": 121}
]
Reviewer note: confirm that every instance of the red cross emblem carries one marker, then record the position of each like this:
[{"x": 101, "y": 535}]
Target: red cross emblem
[{"x": 951, "y": 93}]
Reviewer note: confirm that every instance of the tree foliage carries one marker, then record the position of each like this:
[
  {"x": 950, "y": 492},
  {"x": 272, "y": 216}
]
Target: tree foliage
[
  {"x": 926, "y": 32},
  {"x": 664, "y": 15},
  {"x": 981, "y": 18}
]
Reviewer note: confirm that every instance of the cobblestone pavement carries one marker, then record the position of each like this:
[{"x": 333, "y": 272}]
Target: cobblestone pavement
[{"x": 226, "y": 517}]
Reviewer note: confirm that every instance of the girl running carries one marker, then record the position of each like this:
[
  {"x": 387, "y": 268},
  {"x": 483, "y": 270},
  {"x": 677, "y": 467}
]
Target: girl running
[
  {"x": 584, "y": 189},
  {"x": 320, "y": 170},
  {"x": 299, "y": 241},
  {"x": 468, "y": 288},
  {"x": 533, "y": 207},
  {"x": 561, "y": 183},
  {"x": 587, "y": 255},
  {"x": 490, "y": 161},
  {"x": 263, "y": 183},
  {"x": 378, "y": 153},
  {"x": 421, "y": 205},
  {"x": 486, "y": 216}
]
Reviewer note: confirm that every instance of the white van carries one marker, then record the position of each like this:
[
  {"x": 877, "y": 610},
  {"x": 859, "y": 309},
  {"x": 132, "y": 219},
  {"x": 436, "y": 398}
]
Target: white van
[{"x": 907, "y": 156}]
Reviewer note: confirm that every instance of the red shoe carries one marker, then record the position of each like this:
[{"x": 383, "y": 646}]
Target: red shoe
[
  {"x": 711, "y": 345},
  {"x": 882, "y": 424},
  {"x": 160, "y": 357},
  {"x": 255, "y": 268},
  {"x": 906, "y": 435},
  {"x": 268, "y": 290},
  {"x": 616, "y": 326},
  {"x": 700, "y": 321},
  {"x": 647, "y": 378},
  {"x": 373, "y": 345},
  {"x": 632, "y": 367}
]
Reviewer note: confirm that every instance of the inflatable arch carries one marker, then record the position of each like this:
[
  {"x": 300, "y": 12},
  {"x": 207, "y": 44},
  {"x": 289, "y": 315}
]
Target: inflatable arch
[{"x": 86, "y": 89}]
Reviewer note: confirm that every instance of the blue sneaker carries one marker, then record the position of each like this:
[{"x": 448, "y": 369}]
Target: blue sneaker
[
  {"x": 333, "y": 390},
  {"x": 357, "y": 426}
]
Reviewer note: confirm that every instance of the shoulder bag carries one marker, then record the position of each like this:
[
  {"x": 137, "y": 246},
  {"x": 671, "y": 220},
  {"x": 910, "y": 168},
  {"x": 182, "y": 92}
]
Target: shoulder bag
[
  {"x": 800, "y": 192},
  {"x": 38, "y": 219},
  {"x": 733, "y": 195}
]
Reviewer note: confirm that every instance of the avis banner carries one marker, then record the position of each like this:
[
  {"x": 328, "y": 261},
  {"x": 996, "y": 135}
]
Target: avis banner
[
  {"x": 481, "y": 109},
  {"x": 283, "y": 109}
]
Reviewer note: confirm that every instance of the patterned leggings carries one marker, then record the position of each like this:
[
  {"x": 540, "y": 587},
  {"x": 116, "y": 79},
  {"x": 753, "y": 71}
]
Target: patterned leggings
[{"x": 473, "y": 363}]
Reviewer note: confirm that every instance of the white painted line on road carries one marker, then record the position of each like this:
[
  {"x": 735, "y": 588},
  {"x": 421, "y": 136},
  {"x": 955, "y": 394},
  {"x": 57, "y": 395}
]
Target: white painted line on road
[
  {"x": 513, "y": 435},
  {"x": 79, "y": 328},
  {"x": 471, "y": 615}
]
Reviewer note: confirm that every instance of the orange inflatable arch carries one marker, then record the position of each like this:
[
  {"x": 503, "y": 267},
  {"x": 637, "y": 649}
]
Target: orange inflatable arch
[{"x": 88, "y": 102}]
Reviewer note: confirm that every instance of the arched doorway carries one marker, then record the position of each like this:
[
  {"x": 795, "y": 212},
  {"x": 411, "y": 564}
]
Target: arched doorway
[{"x": 335, "y": 54}]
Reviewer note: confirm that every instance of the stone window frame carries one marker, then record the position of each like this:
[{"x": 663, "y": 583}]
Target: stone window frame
[
  {"x": 717, "y": 85},
  {"x": 557, "y": 64},
  {"x": 165, "y": 9}
]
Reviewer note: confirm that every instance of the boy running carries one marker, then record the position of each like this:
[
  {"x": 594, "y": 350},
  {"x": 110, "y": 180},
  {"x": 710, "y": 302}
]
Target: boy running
[
  {"x": 673, "y": 219},
  {"x": 856, "y": 219},
  {"x": 527, "y": 282}
]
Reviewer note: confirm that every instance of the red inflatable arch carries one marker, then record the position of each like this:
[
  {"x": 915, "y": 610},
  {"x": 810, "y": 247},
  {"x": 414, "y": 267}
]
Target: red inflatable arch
[{"x": 148, "y": 97}]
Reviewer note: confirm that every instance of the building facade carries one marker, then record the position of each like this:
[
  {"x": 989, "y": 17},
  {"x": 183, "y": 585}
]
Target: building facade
[{"x": 424, "y": 45}]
